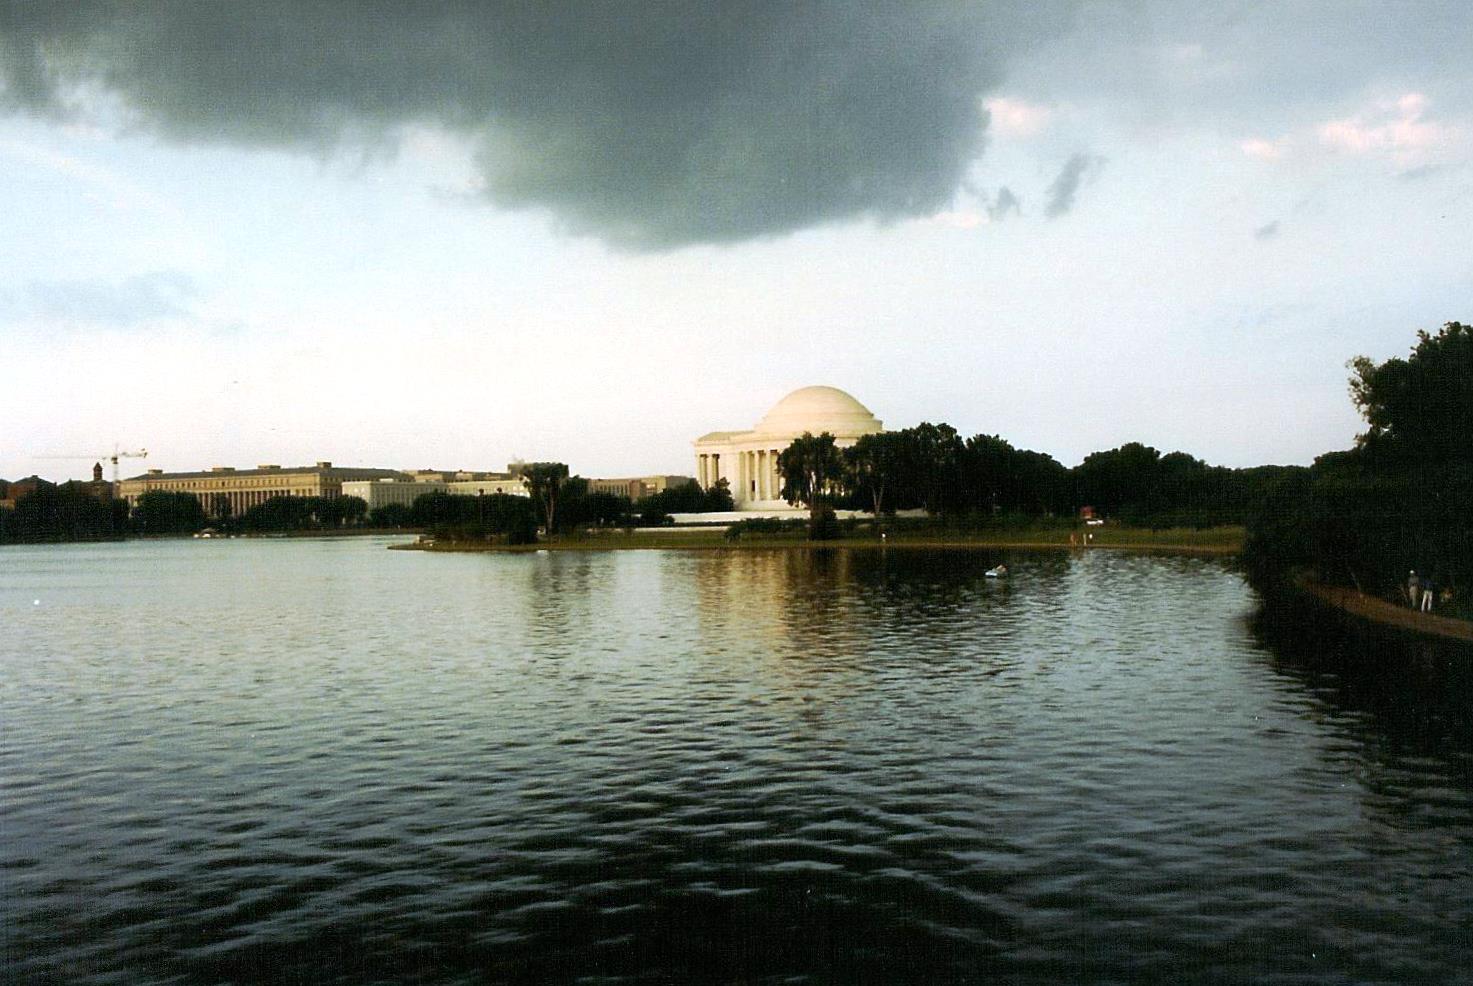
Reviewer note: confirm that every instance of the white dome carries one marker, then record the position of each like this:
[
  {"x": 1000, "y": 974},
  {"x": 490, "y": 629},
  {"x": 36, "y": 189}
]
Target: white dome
[{"x": 816, "y": 410}]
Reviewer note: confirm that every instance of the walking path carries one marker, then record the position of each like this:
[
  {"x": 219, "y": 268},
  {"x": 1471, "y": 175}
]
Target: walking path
[{"x": 1390, "y": 614}]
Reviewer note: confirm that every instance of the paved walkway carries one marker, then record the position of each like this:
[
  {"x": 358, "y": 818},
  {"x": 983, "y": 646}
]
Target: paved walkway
[{"x": 1390, "y": 614}]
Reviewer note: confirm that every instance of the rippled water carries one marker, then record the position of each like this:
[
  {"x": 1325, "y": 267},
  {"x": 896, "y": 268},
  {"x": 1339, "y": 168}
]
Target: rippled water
[{"x": 320, "y": 761}]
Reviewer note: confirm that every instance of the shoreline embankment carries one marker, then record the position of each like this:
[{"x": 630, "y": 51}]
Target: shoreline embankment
[
  {"x": 1384, "y": 613},
  {"x": 1215, "y": 542}
]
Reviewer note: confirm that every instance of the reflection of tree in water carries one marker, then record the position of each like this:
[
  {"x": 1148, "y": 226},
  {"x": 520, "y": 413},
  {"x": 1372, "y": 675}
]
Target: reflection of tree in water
[
  {"x": 819, "y": 604},
  {"x": 939, "y": 600},
  {"x": 845, "y": 604},
  {"x": 943, "y": 577},
  {"x": 1408, "y": 702},
  {"x": 832, "y": 609},
  {"x": 561, "y": 602}
]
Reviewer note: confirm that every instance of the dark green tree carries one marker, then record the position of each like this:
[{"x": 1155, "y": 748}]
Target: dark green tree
[
  {"x": 581, "y": 506},
  {"x": 1397, "y": 501},
  {"x": 687, "y": 498},
  {"x": 718, "y": 497},
  {"x": 219, "y": 511},
  {"x": 494, "y": 515},
  {"x": 1419, "y": 409},
  {"x": 933, "y": 467},
  {"x": 391, "y": 515},
  {"x": 988, "y": 467},
  {"x": 544, "y": 481},
  {"x": 282, "y": 513},
  {"x": 876, "y": 467},
  {"x": 354, "y": 509},
  {"x": 1042, "y": 484},
  {"x": 168, "y": 512},
  {"x": 1121, "y": 480},
  {"x": 335, "y": 511},
  {"x": 811, "y": 469},
  {"x": 68, "y": 512}
]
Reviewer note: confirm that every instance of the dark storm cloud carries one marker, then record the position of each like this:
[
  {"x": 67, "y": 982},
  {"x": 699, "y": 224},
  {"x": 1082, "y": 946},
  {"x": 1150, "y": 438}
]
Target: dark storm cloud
[
  {"x": 1247, "y": 64},
  {"x": 649, "y": 125},
  {"x": 1006, "y": 203},
  {"x": 1062, "y": 189},
  {"x": 1267, "y": 231}
]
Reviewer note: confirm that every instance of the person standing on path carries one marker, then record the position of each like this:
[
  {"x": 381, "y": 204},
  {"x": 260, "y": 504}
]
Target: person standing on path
[
  {"x": 1414, "y": 589},
  {"x": 1429, "y": 592}
]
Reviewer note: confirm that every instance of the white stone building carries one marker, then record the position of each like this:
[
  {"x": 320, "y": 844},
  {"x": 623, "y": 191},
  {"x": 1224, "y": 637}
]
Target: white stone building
[
  {"x": 508, "y": 485},
  {"x": 382, "y": 492},
  {"x": 747, "y": 460}
]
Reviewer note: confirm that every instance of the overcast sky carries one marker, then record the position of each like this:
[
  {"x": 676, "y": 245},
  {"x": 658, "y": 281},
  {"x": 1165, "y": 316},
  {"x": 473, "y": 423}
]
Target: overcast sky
[{"x": 453, "y": 235}]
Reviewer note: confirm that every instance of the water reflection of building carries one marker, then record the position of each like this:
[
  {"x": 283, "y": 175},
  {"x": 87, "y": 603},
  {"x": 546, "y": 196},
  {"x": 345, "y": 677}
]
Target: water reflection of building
[
  {"x": 781, "y": 600},
  {"x": 747, "y": 460}
]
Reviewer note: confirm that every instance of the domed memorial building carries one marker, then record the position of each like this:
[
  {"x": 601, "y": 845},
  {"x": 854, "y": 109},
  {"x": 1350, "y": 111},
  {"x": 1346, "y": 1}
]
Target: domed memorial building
[{"x": 747, "y": 460}]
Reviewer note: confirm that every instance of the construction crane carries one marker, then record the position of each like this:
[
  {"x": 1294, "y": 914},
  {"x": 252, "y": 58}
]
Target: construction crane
[{"x": 113, "y": 458}]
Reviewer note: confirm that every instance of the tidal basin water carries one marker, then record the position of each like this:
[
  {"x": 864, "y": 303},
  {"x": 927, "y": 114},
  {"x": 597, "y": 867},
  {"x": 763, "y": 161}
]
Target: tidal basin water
[{"x": 321, "y": 761}]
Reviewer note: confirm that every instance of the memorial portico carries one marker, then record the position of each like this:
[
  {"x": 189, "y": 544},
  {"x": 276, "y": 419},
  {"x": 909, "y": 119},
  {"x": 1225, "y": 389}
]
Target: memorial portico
[{"x": 747, "y": 460}]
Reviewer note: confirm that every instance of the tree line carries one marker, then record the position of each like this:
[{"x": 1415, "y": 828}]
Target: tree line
[
  {"x": 1402, "y": 480},
  {"x": 557, "y": 503},
  {"x": 1400, "y": 500},
  {"x": 931, "y": 467},
  {"x": 68, "y": 512}
]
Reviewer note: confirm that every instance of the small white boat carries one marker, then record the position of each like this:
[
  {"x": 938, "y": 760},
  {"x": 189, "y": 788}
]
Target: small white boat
[{"x": 997, "y": 572}]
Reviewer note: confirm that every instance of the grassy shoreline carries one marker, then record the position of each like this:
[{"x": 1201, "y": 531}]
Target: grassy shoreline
[{"x": 1207, "y": 541}]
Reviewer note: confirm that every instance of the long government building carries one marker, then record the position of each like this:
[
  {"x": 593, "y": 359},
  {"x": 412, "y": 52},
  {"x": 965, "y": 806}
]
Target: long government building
[{"x": 245, "y": 488}]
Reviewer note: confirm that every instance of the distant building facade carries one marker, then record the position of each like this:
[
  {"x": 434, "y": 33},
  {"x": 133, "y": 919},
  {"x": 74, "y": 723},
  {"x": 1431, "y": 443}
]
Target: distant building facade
[
  {"x": 747, "y": 460},
  {"x": 11, "y": 493},
  {"x": 637, "y": 487},
  {"x": 458, "y": 475},
  {"x": 495, "y": 483},
  {"x": 98, "y": 488},
  {"x": 387, "y": 491},
  {"x": 470, "y": 482},
  {"x": 246, "y": 488},
  {"x": 15, "y": 491}
]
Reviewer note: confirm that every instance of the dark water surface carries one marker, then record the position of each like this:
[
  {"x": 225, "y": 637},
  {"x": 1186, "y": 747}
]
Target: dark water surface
[{"x": 320, "y": 761}]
